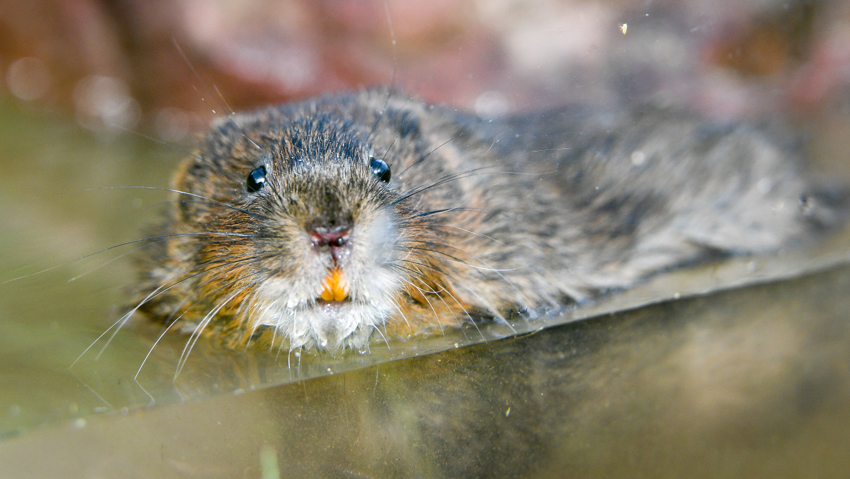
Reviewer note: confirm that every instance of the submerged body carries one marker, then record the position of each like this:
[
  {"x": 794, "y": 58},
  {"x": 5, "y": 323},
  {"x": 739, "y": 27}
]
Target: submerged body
[{"x": 317, "y": 223}]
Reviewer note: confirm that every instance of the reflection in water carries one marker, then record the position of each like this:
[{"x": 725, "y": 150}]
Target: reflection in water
[{"x": 747, "y": 383}]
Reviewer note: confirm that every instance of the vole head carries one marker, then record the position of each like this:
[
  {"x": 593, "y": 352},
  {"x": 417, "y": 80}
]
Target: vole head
[{"x": 298, "y": 227}]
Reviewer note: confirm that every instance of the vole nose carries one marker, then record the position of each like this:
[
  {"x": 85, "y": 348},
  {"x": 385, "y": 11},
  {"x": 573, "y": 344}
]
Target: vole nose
[{"x": 330, "y": 237}]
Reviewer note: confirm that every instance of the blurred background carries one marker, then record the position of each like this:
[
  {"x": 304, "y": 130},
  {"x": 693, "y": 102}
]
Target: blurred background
[{"x": 117, "y": 63}]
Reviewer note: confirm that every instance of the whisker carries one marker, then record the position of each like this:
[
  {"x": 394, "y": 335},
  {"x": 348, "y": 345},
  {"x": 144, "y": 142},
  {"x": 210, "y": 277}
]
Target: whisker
[
  {"x": 471, "y": 320},
  {"x": 436, "y": 212},
  {"x": 417, "y": 275},
  {"x": 208, "y": 317},
  {"x": 423, "y": 157},
  {"x": 398, "y": 308},
  {"x": 244, "y": 258},
  {"x": 119, "y": 324},
  {"x": 439, "y": 182},
  {"x": 495, "y": 311},
  {"x": 158, "y": 291},
  {"x": 425, "y": 297},
  {"x": 124, "y": 318},
  {"x": 212, "y": 201},
  {"x": 491, "y": 309},
  {"x": 271, "y": 346},
  {"x": 288, "y": 361},
  {"x": 91, "y": 389},
  {"x": 497, "y": 271},
  {"x": 153, "y": 346},
  {"x": 153, "y": 401},
  {"x": 173, "y": 235},
  {"x": 395, "y": 47},
  {"x": 155, "y": 140},
  {"x": 198, "y": 77},
  {"x": 411, "y": 270},
  {"x": 220, "y": 100},
  {"x": 458, "y": 260},
  {"x": 193, "y": 339},
  {"x": 390, "y": 148},
  {"x": 215, "y": 277},
  {"x": 467, "y": 231},
  {"x": 462, "y": 331},
  {"x": 386, "y": 341},
  {"x": 113, "y": 260},
  {"x": 495, "y": 140},
  {"x": 230, "y": 111}
]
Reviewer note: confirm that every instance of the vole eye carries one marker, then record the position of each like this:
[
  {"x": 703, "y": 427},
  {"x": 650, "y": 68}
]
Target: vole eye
[
  {"x": 256, "y": 179},
  {"x": 380, "y": 169}
]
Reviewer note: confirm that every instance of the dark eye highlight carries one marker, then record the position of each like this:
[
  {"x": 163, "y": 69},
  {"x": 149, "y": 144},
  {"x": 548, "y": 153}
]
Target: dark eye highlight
[
  {"x": 380, "y": 169},
  {"x": 256, "y": 180}
]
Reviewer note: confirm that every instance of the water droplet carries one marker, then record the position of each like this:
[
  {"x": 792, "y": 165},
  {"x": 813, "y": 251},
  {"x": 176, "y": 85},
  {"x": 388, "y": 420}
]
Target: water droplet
[
  {"x": 638, "y": 158},
  {"x": 764, "y": 185},
  {"x": 492, "y": 104}
]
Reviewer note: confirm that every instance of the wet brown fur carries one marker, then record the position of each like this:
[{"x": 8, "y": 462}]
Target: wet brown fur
[{"x": 523, "y": 212}]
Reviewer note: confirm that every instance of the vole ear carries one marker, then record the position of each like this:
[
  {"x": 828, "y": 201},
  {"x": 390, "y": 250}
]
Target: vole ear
[
  {"x": 179, "y": 180},
  {"x": 192, "y": 177}
]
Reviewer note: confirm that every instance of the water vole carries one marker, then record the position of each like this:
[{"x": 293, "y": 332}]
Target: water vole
[{"x": 317, "y": 223}]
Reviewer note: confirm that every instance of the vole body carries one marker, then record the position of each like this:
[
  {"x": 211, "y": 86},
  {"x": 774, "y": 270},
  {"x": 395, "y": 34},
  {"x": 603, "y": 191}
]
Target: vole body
[{"x": 317, "y": 223}]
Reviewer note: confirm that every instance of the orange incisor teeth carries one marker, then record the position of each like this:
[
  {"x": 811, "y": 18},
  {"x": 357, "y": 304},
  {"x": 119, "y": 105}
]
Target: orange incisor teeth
[{"x": 335, "y": 287}]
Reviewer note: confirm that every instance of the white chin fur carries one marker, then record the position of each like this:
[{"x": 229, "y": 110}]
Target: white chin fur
[
  {"x": 291, "y": 306},
  {"x": 329, "y": 326}
]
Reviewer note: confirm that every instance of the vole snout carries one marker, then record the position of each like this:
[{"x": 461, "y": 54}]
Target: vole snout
[{"x": 332, "y": 240}]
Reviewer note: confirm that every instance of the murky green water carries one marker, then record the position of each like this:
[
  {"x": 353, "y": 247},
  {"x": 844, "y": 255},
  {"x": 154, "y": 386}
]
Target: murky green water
[{"x": 750, "y": 378}]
